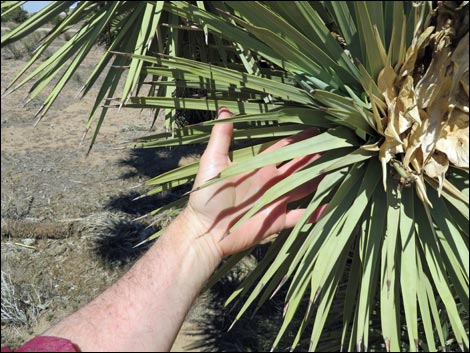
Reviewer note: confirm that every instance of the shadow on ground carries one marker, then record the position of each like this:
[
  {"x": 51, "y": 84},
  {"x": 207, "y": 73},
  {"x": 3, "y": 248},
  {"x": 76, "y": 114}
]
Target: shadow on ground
[
  {"x": 117, "y": 240},
  {"x": 117, "y": 235},
  {"x": 148, "y": 163},
  {"x": 255, "y": 331},
  {"x": 132, "y": 204}
]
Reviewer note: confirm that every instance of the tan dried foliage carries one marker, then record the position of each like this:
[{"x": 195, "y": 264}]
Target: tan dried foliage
[{"x": 426, "y": 125}]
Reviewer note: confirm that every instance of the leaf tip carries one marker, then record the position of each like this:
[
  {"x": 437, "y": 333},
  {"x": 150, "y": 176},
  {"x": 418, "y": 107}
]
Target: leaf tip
[
  {"x": 387, "y": 344},
  {"x": 317, "y": 294},
  {"x": 284, "y": 311},
  {"x": 141, "y": 217},
  {"x": 141, "y": 243},
  {"x": 38, "y": 119},
  {"x": 309, "y": 307},
  {"x": 139, "y": 197},
  {"x": 83, "y": 137},
  {"x": 233, "y": 324},
  {"x": 283, "y": 281},
  {"x": 7, "y": 92},
  {"x": 89, "y": 150},
  {"x": 191, "y": 191},
  {"x": 359, "y": 345}
]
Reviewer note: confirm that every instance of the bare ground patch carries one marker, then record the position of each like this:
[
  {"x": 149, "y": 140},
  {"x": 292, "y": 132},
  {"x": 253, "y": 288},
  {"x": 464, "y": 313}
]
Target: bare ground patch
[{"x": 66, "y": 219}]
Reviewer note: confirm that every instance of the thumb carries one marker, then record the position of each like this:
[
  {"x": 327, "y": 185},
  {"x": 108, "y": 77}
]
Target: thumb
[{"x": 221, "y": 135}]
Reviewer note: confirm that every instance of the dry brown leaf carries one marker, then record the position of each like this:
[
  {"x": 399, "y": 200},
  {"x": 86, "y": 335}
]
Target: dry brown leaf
[
  {"x": 417, "y": 134},
  {"x": 386, "y": 83},
  {"x": 437, "y": 167},
  {"x": 421, "y": 191},
  {"x": 429, "y": 87},
  {"x": 454, "y": 139},
  {"x": 406, "y": 104},
  {"x": 377, "y": 117},
  {"x": 388, "y": 150},
  {"x": 373, "y": 147},
  {"x": 392, "y": 131},
  {"x": 424, "y": 108},
  {"x": 464, "y": 82},
  {"x": 458, "y": 92},
  {"x": 412, "y": 53},
  {"x": 433, "y": 92}
]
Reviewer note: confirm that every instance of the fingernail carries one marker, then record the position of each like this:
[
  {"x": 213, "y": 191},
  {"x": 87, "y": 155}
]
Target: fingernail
[{"x": 223, "y": 110}]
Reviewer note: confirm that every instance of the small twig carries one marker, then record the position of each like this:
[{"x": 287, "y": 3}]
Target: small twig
[{"x": 25, "y": 246}]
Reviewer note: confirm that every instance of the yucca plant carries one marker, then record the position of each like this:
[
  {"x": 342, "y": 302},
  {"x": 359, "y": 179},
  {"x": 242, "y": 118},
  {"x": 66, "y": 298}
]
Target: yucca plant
[{"x": 385, "y": 83}]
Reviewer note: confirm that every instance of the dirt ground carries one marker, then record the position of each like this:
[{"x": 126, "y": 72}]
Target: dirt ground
[{"x": 68, "y": 221}]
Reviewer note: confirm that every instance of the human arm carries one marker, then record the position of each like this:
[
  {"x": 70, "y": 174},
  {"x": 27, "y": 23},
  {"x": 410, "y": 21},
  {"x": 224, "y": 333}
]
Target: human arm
[{"x": 145, "y": 309}]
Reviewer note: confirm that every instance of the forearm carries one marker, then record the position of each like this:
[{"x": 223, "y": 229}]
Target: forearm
[{"x": 145, "y": 309}]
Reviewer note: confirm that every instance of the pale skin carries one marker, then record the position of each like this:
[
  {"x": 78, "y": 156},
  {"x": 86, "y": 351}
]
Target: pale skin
[{"x": 145, "y": 309}]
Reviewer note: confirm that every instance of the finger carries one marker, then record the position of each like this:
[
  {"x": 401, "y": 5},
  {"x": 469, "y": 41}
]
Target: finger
[
  {"x": 298, "y": 164},
  {"x": 292, "y": 139},
  {"x": 258, "y": 228},
  {"x": 318, "y": 213},
  {"x": 221, "y": 136},
  {"x": 252, "y": 231},
  {"x": 303, "y": 190},
  {"x": 293, "y": 217}
]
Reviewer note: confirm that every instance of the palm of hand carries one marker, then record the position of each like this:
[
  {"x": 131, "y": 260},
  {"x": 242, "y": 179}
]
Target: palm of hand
[{"x": 218, "y": 207}]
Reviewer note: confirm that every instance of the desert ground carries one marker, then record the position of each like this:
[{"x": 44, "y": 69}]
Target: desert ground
[{"x": 68, "y": 220}]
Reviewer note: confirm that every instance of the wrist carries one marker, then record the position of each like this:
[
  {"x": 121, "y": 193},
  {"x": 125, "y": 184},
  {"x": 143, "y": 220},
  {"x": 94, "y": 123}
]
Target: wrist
[{"x": 187, "y": 238}]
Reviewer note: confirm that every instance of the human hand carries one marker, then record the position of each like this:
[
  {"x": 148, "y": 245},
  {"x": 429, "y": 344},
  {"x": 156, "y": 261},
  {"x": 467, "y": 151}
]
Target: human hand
[
  {"x": 166, "y": 280},
  {"x": 213, "y": 210}
]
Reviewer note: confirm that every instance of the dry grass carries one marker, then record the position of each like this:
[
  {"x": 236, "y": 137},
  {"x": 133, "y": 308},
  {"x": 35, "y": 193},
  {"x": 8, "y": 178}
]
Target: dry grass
[{"x": 22, "y": 304}]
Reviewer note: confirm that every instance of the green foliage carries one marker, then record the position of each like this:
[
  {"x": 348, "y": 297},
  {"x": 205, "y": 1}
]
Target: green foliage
[
  {"x": 17, "y": 15},
  {"x": 381, "y": 269}
]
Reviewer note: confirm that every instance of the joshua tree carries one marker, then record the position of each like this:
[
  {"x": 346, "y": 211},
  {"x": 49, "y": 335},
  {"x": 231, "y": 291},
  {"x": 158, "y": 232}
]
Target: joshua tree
[{"x": 385, "y": 83}]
